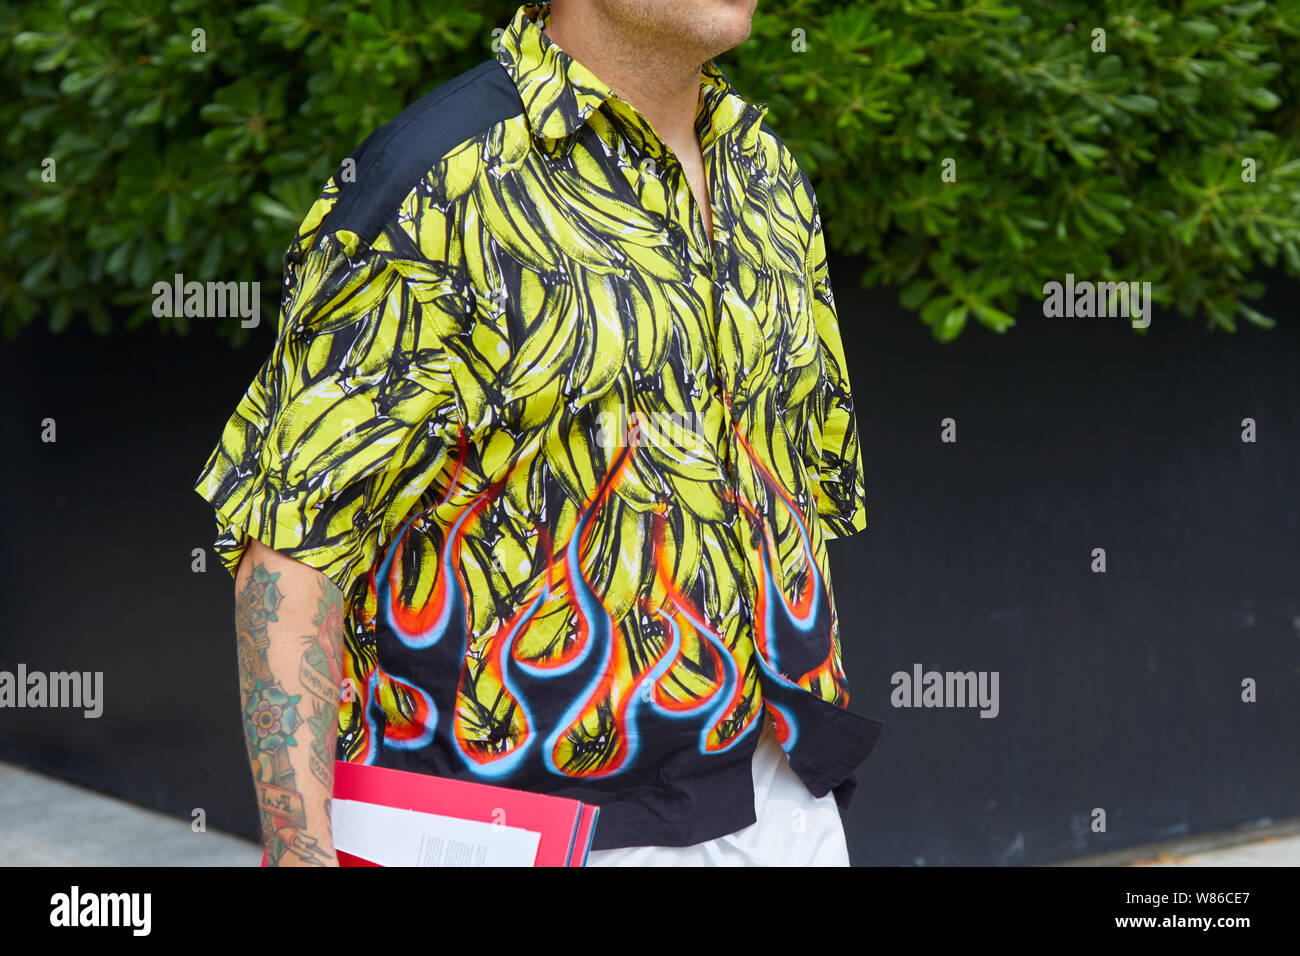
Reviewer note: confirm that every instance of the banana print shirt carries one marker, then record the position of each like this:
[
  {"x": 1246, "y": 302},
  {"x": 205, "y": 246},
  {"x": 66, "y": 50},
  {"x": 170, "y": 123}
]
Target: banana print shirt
[{"x": 572, "y": 465}]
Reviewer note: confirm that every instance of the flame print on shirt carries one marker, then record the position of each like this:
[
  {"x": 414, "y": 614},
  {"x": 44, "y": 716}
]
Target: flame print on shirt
[
  {"x": 780, "y": 622},
  {"x": 600, "y": 729}
]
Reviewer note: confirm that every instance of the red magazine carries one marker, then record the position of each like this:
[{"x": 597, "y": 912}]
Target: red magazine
[{"x": 562, "y": 828}]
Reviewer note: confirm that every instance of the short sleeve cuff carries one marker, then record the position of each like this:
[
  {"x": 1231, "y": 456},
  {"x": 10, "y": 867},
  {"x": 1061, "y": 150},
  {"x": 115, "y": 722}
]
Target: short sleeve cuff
[{"x": 840, "y": 526}]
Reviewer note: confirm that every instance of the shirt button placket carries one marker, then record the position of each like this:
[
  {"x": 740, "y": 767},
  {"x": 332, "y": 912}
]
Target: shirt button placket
[
  {"x": 734, "y": 449},
  {"x": 734, "y": 411},
  {"x": 717, "y": 251}
]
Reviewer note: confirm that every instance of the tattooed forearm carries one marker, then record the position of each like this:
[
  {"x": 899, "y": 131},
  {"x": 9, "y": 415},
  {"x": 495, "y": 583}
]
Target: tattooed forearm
[
  {"x": 271, "y": 718},
  {"x": 321, "y": 673}
]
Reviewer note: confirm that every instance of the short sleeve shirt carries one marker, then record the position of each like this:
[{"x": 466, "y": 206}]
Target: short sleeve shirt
[{"x": 572, "y": 463}]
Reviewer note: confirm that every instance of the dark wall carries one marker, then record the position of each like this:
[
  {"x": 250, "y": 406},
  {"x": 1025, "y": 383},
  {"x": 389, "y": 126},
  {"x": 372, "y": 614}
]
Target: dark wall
[{"x": 1119, "y": 690}]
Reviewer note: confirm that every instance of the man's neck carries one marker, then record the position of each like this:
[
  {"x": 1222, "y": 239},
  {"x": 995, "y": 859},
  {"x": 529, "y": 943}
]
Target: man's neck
[{"x": 662, "y": 85}]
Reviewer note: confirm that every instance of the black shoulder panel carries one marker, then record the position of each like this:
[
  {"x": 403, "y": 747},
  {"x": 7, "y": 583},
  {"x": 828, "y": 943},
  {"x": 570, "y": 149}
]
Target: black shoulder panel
[{"x": 392, "y": 159}]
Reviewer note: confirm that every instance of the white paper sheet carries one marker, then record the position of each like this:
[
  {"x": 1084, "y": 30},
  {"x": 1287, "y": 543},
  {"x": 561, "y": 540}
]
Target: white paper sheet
[{"x": 392, "y": 837}]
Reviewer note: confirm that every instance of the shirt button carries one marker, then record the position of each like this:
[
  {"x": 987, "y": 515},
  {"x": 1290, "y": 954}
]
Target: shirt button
[
  {"x": 756, "y": 536},
  {"x": 736, "y": 414}
]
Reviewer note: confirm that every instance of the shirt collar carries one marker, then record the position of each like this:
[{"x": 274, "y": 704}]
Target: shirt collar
[{"x": 559, "y": 93}]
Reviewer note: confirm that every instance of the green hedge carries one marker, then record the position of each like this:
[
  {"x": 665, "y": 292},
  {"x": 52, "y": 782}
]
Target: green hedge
[{"x": 1122, "y": 165}]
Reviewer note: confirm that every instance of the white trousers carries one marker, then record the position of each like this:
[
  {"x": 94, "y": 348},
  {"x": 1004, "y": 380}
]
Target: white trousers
[{"x": 793, "y": 828}]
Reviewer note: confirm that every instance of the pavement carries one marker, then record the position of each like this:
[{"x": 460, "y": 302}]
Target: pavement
[
  {"x": 1271, "y": 843},
  {"x": 1272, "y": 851},
  {"x": 49, "y": 822}
]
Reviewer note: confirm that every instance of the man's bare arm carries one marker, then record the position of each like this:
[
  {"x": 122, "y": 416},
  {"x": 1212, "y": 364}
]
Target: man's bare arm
[{"x": 289, "y": 620}]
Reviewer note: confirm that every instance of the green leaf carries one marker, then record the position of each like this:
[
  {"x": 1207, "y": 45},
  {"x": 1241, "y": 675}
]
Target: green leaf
[
  {"x": 953, "y": 322},
  {"x": 1261, "y": 98},
  {"x": 1255, "y": 317},
  {"x": 994, "y": 318},
  {"x": 936, "y": 309},
  {"x": 267, "y": 206},
  {"x": 915, "y": 293}
]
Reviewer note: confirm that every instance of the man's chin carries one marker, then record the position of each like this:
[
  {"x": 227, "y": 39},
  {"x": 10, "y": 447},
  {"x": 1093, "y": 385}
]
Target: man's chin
[{"x": 728, "y": 28}]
